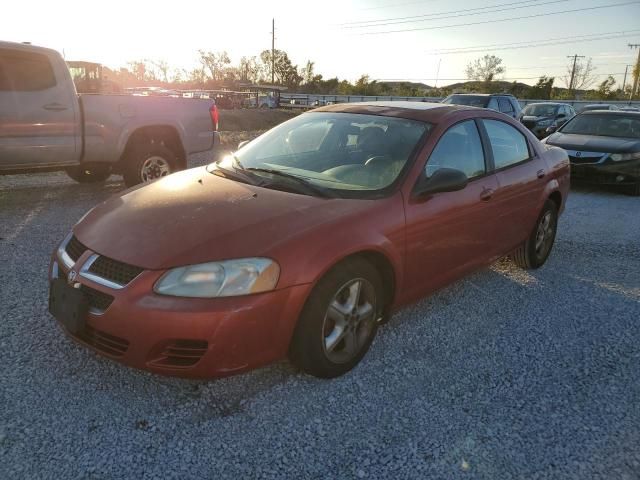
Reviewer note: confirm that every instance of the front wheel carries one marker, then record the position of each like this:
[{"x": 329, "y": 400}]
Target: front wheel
[
  {"x": 89, "y": 173},
  {"x": 149, "y": 163},
  {"x": 339, "y": 320},
  {"x": 535, "y": 251}
]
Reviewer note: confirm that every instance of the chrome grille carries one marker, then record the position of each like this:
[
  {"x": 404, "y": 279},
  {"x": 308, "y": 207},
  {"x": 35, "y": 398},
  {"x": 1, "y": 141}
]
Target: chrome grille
[{"x": 75, "y": 248}]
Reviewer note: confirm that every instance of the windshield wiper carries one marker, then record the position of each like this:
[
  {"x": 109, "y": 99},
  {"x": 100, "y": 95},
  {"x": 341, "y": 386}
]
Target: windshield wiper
[
  {"x": 306, "y": 184},
  {"x": 238, "y": 172}
]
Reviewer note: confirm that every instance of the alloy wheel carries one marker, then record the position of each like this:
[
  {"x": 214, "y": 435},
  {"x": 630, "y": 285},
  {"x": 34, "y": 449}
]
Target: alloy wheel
[{"x": 349, "y": 320}]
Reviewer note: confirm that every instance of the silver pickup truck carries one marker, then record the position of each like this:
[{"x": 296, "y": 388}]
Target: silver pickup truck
[{"x": 46, "y": 125}]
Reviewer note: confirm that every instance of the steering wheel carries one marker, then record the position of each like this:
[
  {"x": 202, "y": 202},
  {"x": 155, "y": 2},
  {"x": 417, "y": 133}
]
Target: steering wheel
[{"x": 377, "y": 161}]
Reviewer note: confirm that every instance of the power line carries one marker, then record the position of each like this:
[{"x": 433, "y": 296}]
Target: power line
[
  {"x": 438, "y": 16},
  {"x": 526, "y": 44},
  {"x": 502, "y": 79},
  {"x": 500, "y": 20},
  {"x": 534, "y": 45},
  {"x": 396, "y": 5}
]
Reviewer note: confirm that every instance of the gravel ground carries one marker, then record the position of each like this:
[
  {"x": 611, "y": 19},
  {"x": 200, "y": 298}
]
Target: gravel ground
[{"x": 505, "y": 374}]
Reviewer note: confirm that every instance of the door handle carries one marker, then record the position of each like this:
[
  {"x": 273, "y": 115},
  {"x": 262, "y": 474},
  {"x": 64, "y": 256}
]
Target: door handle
[
  {"x": 540, "y": 173},
  {"x": 56, "y": 107},
  {"x": 486, "y": 194}
]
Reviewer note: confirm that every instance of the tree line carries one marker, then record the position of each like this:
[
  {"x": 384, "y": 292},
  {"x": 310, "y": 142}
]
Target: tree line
[{"x": 215, "y": 70}]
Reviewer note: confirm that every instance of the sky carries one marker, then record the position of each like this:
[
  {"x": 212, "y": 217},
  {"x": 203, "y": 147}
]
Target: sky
[{"x": 386, "y": 39}]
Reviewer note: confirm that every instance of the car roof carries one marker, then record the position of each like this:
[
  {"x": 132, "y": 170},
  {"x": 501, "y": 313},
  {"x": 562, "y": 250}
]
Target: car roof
[
  {"x": 623, "y": 113},
  {"x": 484, "y": 94},
  {"x": 26, "y": 47},
  {"x": 547, "y": 103},
  {"x": 423, "y": 111}
]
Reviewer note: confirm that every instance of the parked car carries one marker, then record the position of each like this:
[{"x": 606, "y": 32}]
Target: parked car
[
  {"x": 545, "y": 118},
  {"x": 46, "y": 125},
  {"x": 153, "y": 92},
  {"x": 603, "y": 147},
  {"x": 306, "y": 239},
  {"x": 502, "y": 102},
  {"x": 598, "y": 106}
]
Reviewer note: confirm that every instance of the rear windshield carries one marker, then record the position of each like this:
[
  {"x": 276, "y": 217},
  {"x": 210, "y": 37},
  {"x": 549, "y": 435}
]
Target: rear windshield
[
  {"x": 470, "y": 100},
  {"x": 604, "y": 125},
  {"x": 540, "y": 110}
]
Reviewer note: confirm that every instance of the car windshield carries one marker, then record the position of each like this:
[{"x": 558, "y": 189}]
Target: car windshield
[
  {"x": 470, "y": 100},
  {"x": 340, "y": 152},
  {"x": 540, "y": 110},
  {"x": 604, "y": 125}
]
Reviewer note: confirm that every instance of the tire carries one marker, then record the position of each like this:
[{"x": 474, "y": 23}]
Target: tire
[
  {"x": 91, "y": 173},
  {"x": 533, "y": 254},
  {"x": 320, "y": 346},
  {"x": 148, "y": 163}
]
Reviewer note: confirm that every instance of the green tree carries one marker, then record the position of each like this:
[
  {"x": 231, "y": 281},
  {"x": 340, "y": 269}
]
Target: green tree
[
  {"x": 485, "y": 69},
  {"x": 285, "y": 72},
  {"x": 214, "y": 63},
  {"x": 605, "y": 90},
  {"x": 542, "y": 90}
]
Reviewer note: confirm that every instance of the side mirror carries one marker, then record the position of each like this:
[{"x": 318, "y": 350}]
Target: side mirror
[
  {"x": 242, "y": 144},
  {"x": 442, "y": 180},
  {"x": 561, "y": 115}
]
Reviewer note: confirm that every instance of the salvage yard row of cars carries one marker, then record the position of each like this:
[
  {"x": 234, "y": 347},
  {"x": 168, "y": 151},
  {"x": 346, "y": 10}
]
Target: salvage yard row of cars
[
  {"x": 603, "y": 141},
  {"x": 306, "y": 239}
]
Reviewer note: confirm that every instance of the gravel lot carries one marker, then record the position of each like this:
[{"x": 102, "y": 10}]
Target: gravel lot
[{"x": 503, "y": 375}]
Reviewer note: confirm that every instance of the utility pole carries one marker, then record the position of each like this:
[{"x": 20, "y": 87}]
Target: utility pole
[
  {"x": 573, "y": 70},
  {"x": 624, "y": 81},
  {"x": 273, "y": 50},
  {"x": 636, "y": 70}
]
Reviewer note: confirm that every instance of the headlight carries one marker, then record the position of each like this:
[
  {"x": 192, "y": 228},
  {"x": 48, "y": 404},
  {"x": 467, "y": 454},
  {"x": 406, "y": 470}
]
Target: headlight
[
  {"x": 545, "y": 123},
  {"x": 621, "y": 157},
  {"x": 229, "y": 278}
]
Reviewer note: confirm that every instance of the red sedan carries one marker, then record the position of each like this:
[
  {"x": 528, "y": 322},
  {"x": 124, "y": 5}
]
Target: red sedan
[{"x": 306, "y": 239}]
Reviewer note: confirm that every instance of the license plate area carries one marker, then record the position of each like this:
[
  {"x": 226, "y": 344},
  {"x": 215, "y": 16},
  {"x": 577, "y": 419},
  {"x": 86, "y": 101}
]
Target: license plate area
[{"x": 69, "y": 305}]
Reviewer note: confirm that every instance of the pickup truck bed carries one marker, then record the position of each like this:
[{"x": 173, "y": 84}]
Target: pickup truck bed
[{"x": 46, "y": 125}]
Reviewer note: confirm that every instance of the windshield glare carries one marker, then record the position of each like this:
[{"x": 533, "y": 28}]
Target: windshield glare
[
  {"x": 540, "y": 110},
  {"x": 470, "y": 100},
  {"x": 340, "y": 151},
  {"x": 604, "y": 125}
]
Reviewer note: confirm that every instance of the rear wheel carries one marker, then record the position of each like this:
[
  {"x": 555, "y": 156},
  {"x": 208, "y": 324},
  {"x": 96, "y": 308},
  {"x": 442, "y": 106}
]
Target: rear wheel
[
  {"x": 535, "y": 251},
  {"x": 339, "y": 321},
  {"x": 90, "y": 173},
  {"x": 148, "y": 163}
]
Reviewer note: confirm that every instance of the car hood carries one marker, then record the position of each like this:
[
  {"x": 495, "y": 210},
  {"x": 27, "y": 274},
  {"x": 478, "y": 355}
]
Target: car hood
[
  {"x": 195, "y": 216},
  {"x": 592, "y": 143}
]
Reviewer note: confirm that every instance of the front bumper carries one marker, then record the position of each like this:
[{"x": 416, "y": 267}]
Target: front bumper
[
  {"x": 187, "y": 337},
  {"x": 607, "y": 173}
]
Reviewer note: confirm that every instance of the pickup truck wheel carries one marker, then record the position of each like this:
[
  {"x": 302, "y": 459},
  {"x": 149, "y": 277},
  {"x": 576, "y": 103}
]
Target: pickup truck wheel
[
  {"x": 92, "y": 173},
  {"x": 149, "y": 163},
  {"x": 535, "y": 251}
]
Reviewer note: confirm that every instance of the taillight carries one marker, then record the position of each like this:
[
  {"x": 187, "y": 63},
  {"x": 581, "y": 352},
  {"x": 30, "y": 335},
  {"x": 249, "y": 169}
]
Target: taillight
[{"x": 215, "y": 116}]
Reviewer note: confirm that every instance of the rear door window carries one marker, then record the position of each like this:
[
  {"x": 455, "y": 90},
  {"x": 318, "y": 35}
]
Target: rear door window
[
  {"x": 508, "y": 144},
  {"x": 25, "y": 71}
]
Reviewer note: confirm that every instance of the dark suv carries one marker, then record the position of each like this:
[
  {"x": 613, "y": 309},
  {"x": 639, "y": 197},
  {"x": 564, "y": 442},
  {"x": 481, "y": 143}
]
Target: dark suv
[
  {"x": 500, "y": 102},
  {"x": 546, "y": 117}
]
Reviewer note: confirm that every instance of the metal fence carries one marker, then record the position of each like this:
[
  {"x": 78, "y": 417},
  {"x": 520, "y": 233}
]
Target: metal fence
[{"x": 303, "y": 100}]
